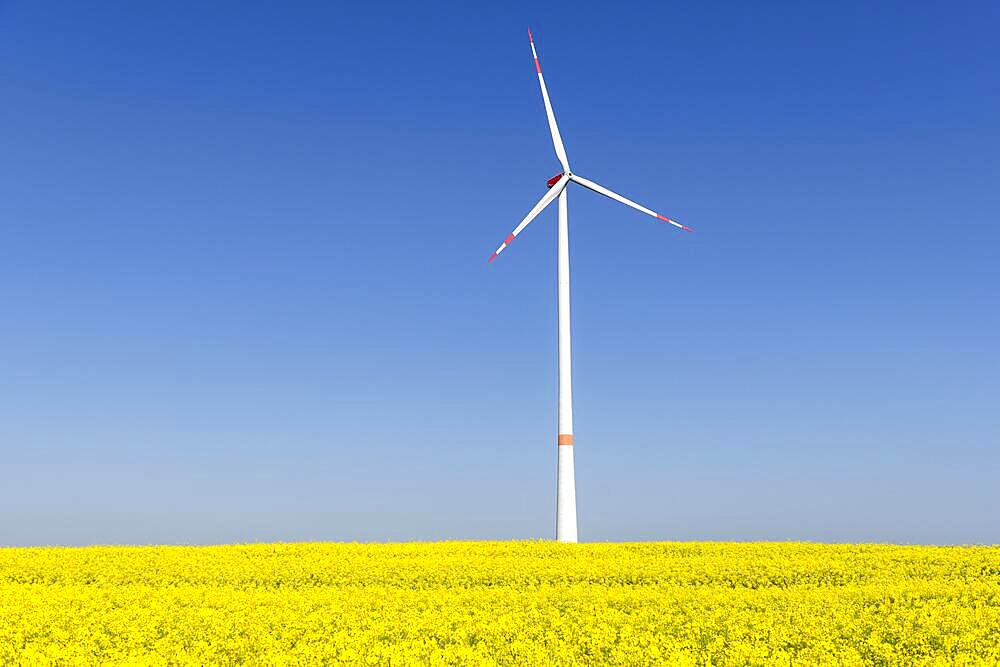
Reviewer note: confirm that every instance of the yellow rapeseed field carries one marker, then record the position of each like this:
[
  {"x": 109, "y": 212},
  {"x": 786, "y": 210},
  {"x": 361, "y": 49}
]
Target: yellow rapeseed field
[{"x": 510, "y": 603}]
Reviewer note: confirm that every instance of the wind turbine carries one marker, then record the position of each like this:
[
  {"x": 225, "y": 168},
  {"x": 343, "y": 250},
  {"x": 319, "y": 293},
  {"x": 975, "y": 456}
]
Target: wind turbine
[{"x": 566, "y": 483}]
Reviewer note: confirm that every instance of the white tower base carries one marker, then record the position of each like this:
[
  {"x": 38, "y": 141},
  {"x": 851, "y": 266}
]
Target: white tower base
[{"x": 566, "y": 500}]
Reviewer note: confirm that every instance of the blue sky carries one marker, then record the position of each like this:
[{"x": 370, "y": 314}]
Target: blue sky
[{"x": 244, "y": 292}]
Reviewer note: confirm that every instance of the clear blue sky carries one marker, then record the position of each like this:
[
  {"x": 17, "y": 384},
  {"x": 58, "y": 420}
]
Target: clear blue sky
[{"x": 244, "y": 292}]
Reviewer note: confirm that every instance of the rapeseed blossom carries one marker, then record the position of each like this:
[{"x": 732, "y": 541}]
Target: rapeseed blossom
[{"x": 507, "y": 603}]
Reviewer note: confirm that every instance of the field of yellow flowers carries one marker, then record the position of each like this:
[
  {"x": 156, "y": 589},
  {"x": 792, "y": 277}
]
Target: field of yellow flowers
[{"x": 511, "y": 603}]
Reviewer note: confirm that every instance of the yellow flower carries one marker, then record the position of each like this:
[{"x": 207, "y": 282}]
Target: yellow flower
[{"x": 508, "y": 603}]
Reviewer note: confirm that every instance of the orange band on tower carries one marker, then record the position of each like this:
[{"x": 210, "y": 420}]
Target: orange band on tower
[{"x": 565, "y": 439}]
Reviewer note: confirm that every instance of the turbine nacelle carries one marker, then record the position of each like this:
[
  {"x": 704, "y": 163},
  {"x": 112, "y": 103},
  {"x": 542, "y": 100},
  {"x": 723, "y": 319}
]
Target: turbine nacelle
[{"x": 552, "y": 181}]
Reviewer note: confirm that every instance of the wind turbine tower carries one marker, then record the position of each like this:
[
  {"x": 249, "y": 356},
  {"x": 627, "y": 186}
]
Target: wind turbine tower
[{"x": 566, "y": 480}]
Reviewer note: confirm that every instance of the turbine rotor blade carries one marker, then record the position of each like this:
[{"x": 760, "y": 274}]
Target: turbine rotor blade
[
  {"x": 547, "y": 199},
  {"x": 557, "y": 142},
  {"x": 600, "y": 189}
]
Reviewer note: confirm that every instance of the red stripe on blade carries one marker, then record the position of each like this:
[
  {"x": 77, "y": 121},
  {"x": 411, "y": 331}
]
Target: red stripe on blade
[
  {"x": 510, "y": 237},
  {"x": 538, "y": 68},
  {"x": 492, "y": 257},
  {"x": 674, "y": 222}
]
